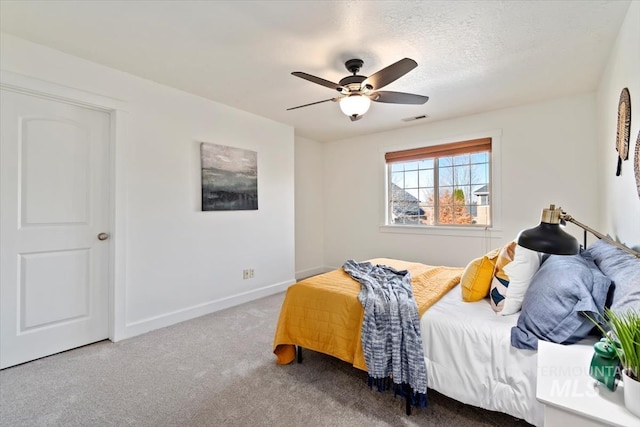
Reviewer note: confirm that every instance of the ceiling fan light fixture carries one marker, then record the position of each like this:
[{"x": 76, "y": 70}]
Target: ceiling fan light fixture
[
  {"x": 357, "y": 92},
  {"x": 355, "y": 105}
]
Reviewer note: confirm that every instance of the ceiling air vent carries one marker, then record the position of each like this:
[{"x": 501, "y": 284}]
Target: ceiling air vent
[{"x": 410, "y": 119}]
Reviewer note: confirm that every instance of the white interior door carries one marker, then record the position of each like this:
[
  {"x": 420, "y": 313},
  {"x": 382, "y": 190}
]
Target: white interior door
[{"x": 54, "y": 182}]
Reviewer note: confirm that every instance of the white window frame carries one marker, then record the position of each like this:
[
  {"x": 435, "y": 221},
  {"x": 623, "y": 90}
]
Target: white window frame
[{"x": 493, "y": 230}]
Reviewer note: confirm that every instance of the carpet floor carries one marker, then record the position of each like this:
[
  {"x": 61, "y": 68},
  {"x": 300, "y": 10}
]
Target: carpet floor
[{"x": 216, "y": 370}]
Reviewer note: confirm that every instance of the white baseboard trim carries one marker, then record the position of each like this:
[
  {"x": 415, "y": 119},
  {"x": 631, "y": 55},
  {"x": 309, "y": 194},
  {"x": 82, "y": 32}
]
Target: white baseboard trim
[
  {"x": 302, "y": 274},
  {"x": 152, "y": 323}
]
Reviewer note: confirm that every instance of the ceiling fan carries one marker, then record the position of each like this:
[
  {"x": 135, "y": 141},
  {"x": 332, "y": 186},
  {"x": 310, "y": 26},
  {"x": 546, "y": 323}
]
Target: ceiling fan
[{"x": 357, "y": 92}]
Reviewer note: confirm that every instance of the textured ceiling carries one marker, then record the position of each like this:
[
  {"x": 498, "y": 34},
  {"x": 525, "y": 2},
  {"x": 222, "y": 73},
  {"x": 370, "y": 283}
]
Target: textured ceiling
[{"x": 472, "y": 56}]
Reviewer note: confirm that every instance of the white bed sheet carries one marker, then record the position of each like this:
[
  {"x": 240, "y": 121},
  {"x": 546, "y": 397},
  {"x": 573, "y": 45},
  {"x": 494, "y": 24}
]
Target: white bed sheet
[{"x": 469, "y": 358}]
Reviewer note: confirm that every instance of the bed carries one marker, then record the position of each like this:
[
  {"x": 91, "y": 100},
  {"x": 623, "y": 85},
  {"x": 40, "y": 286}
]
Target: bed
[
  {"x": 470, "y": 352},
  {"x": 469, "y": 357},
  {"x": 323, "y": 313}
]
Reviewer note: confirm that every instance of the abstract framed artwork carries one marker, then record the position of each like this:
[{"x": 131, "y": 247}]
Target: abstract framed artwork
[{"x": 229, "y": 178}]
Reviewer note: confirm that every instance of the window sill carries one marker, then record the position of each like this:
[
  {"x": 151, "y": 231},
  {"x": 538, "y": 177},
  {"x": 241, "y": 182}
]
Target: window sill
[{"x": 478, "y": 232}]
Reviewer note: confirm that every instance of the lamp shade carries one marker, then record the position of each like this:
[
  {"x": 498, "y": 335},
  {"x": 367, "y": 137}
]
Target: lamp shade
[
  {"x": 355, "y": 105},
  {"x": 550, "y": 239}
]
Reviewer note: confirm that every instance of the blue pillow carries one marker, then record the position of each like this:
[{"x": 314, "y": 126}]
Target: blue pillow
[
  {"x": 624, "y": 271},
  {"x": 560, "y": 292}
]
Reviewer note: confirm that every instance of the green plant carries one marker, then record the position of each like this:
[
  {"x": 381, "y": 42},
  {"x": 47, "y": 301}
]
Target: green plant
[{"x": 626, "y": 329}]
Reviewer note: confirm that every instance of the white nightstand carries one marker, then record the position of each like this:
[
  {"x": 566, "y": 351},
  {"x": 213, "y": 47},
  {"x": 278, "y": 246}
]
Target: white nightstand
[{"x": 571, "y": 397}]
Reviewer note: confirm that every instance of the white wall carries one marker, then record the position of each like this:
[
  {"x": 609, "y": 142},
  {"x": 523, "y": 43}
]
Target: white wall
[
  {"x": 175, "y": 262},
  {"x": 309, "y": 207},
  {"x": 549, "y": 154},
  {"x": 620, "y": 200}
]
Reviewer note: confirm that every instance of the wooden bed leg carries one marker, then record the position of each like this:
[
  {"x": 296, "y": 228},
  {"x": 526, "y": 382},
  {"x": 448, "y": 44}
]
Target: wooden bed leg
[
  {"x": 299, "y": 354},
  {"x": 407, "y": 390}
]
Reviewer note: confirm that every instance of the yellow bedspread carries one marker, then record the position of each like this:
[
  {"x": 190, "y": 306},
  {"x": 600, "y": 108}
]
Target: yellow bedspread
[{"x": 323, "y": 313}]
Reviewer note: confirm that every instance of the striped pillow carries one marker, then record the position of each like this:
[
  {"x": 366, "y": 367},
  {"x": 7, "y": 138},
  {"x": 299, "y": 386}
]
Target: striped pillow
[{"x": 515, "y": 267}]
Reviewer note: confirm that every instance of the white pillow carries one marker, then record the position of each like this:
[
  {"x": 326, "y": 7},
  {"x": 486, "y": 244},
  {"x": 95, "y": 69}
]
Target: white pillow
[{"x": 512, "y": 279}]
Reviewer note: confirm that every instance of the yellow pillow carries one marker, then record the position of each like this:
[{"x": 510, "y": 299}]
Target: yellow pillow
[{"x": 476, "y": 277}]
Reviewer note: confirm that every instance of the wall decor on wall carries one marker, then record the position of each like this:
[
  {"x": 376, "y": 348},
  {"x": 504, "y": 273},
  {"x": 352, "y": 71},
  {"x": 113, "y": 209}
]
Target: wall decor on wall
[
  {"x": 229, "y": 178},
  {"x": 624, "y": 124},
  {"x": 637, "y": 163}
]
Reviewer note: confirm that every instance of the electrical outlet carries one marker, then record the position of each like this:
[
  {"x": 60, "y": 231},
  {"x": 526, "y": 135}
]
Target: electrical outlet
[{"x": 251, "y": 273}]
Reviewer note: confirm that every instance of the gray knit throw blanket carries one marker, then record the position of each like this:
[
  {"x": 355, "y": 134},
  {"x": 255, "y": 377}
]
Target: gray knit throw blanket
[{"x": 391, "y": 340}]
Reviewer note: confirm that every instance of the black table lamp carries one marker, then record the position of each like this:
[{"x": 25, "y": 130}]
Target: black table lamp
[{"x": 549, "y": 238}]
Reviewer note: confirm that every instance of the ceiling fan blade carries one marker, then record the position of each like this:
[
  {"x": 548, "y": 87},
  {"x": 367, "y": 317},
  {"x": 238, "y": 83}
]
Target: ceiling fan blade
[
  {"x": 313, "y": 103},
  {"x": 318, "y": 80},
  {"x": 390, "y": 73},
  {"x": 398, "y": 97}
]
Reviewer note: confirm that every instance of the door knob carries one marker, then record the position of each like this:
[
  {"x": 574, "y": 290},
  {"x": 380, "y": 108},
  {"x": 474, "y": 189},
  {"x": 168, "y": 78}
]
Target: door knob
[{"x": 103, "y": 236}]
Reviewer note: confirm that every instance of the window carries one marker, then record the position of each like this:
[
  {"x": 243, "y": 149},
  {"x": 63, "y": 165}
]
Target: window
[{"x": 447, "y": 184}]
